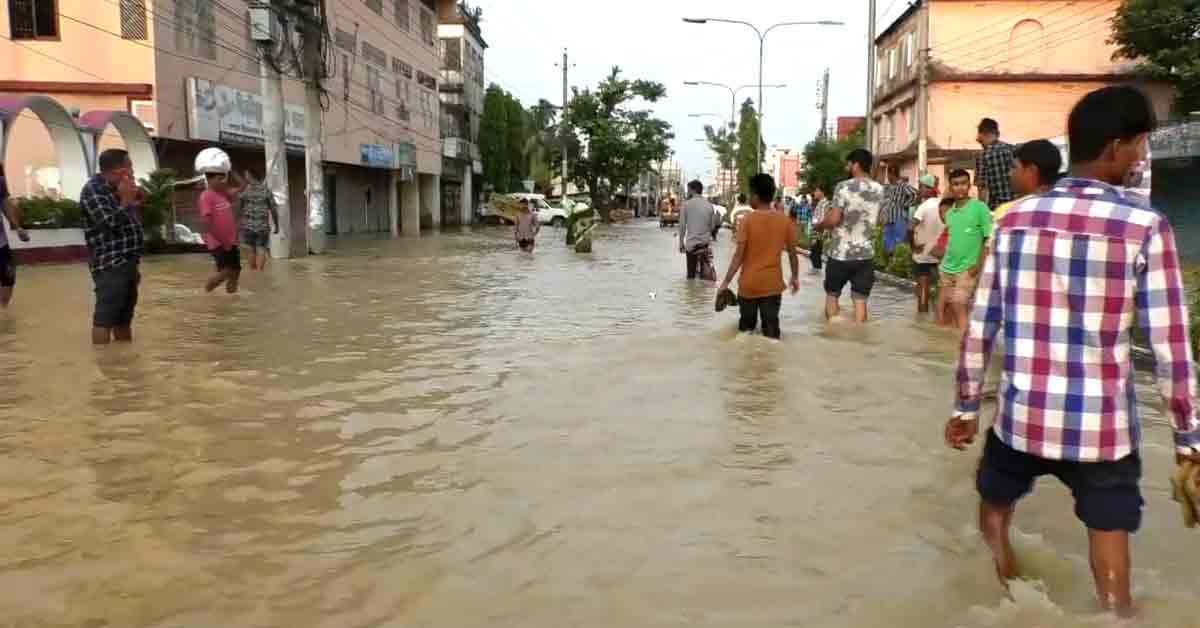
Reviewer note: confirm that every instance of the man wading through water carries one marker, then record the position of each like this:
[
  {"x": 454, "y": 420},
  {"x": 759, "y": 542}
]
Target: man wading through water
[
  {"x": 697, "y": 224},
  {"x": 1071, "y": 272},
  {"x": 763, "y": 236}
]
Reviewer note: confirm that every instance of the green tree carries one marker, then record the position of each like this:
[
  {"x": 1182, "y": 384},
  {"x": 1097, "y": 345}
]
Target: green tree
[
  {"x": 493, "y": 139},
  {"x": 825, "y": 160},
  {"x": 1164, "y": 35},
  {"x": 542, "y": 144},
  {"x": 724, "y": 142},
  {"x": 518, "y": 133},
  {"x": 620, "y": 140},
  {"x": 747, "y": 137}
]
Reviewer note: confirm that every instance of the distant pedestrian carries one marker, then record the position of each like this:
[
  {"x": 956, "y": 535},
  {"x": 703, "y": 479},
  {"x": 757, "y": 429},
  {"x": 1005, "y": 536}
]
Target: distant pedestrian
[
  {"x": 219, "y": 229},
  {"x": 115, "y": 242},
  {"x": 1072, "y": 272},
  {"x": 259, "y": 213},
  {"x": 764, "y": 235},
  {"x": 993, "y": 166},
  {"x": 816, "y": 249},
  {"x": 898, "y": 200},
  {"x": 969, "y": 225},
  {"x": 698, "y": 222},
  {"x": 926, "y": 228},
  {"x": 8, "y": 263},
  {"x": 851, "y": 219},
  {"x": 527, "y": 228}
]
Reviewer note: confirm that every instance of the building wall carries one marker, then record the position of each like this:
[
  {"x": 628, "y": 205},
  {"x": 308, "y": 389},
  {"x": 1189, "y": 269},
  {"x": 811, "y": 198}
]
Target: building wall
[
  {"x": 1025, "y": 110},
  {"x": 1050, "y": 36}
]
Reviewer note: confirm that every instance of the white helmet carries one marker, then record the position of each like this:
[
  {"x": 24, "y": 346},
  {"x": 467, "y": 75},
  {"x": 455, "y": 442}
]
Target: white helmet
[{"x": 213, "y": 161}]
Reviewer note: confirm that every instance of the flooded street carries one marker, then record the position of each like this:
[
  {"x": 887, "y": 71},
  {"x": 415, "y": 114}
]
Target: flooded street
[{"x": 444, "y": 433}]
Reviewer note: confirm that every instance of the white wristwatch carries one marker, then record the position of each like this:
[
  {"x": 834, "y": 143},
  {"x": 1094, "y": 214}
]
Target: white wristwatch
[{"x": 965, "y": 416}]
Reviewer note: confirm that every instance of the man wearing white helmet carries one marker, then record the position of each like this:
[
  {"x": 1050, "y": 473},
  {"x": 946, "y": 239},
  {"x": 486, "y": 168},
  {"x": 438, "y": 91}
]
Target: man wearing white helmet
[{"x": 216, "y": 214}]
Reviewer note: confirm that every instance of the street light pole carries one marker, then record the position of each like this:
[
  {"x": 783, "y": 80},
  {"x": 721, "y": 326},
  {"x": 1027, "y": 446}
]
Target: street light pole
[{"x": 762, "y": 41}]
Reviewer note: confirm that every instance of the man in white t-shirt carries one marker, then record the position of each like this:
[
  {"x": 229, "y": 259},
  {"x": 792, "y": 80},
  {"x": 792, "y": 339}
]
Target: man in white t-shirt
[{"x": 923, "y": 232}]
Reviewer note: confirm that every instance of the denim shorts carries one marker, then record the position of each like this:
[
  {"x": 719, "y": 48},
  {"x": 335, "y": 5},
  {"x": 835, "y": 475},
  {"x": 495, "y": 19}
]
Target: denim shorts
[
  {"x": 256, "y": 239},
  {"x": 116, "y": 295},
  {"x": 1107, "y": 496}
]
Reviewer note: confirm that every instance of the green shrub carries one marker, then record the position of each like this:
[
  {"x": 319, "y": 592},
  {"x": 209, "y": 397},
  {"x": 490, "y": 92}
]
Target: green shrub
[
  {"x": 159, "y": 188},
  {"x": 882, "y": 259},
  {"x": 901, "y": 264},
  {"x": 43, "y": 212}
]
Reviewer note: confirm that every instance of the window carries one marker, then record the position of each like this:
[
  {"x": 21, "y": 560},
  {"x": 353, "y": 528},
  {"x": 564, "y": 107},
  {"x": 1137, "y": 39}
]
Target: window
[
  {"x": 375, "y": 89},
  {"x": 133, "y": 19},
  {"x": 196, "y": 28},
  {"x": 878, "y": 72},
  {"x": 376, "y": 6},
  {"x": 403, "y": 15},
  {"x": 346, "y": 77},
  {"x": 374, "y": 55},
  {"x": 892, "y": 63},
  {"x": 910, "y": 48},
  {"x": 344, "y": 40},
  {"x": 912, "y": 121},
  {"x": 427, "y": 26},
  {"x": 251, "y": 47},
  {"x": 453, "y": 56},
  {"x": 33, "y": 19},
  {"x": 402, "y": 68}
]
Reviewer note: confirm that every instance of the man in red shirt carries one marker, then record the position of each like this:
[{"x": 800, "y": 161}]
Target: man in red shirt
[{"x": 220, "y": 229}]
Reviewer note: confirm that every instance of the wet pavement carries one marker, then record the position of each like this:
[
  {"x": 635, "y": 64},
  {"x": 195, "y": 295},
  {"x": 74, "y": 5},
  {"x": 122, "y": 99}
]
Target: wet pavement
[{"x": 442, "y": 432}]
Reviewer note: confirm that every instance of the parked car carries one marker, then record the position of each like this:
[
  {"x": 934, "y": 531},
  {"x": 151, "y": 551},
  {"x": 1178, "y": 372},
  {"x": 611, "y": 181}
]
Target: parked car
[{"x": 186, "y": 235}]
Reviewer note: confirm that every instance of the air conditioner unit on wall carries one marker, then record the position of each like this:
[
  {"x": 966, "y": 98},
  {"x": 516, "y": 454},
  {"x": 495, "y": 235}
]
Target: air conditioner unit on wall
[{"x": 261, "y": 22}]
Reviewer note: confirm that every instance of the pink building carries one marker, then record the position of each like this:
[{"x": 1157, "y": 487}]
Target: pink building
[
  {"x": 189, "y": 71},
  {"x": 1024, "y": 63}
]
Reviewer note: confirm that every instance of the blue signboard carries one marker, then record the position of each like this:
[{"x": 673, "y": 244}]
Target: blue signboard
[{"x": 376, "y": 155}]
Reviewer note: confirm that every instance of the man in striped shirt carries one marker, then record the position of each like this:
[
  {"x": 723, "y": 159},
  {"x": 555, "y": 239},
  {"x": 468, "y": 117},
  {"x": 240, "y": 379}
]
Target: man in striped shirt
[{"x": 1072, "y": 271}]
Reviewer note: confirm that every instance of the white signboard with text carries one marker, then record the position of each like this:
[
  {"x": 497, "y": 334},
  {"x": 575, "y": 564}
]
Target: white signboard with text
[{"x": 217, "y": 113}]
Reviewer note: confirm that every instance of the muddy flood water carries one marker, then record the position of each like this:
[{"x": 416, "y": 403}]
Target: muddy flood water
[{"x": 443, "y": 433}]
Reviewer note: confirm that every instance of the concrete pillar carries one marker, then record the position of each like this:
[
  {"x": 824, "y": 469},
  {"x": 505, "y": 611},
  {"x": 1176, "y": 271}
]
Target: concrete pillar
[
  {"x": 468, "y": 195},
  {"x": 394, "y": 203},
  {"x": 410, "y": 209},
  {"x": 431, "y": 198}
]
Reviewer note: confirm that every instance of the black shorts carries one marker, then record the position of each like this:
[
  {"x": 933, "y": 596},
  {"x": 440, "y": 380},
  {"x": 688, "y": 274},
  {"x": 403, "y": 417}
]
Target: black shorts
[
  {"x": 860, "y": 274},
  {"x": 116, "y": 295},
  {"x": 1106, "y": 494},
  {"x": 257, "y": 239},
  {"x": 525, "y": 245},
  {"x": 8, "y": 267},
  {"x": 924, "y": 270},
  {"x": 228, "y": 258}
]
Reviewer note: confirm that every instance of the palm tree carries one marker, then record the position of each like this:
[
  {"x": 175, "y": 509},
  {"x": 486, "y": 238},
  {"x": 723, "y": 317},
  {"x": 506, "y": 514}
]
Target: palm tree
[{"x": 542, "y": 142}]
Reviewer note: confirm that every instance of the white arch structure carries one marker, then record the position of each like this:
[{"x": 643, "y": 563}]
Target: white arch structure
[
  {"x": 137, "y": 141},
  {"x": 69, "y": 145}
]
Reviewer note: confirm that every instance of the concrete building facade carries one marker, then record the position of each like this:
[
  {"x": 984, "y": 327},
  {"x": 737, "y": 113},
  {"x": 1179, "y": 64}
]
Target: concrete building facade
[
  {"x": 1024, "y": 63},
  {"x": 189, "y": 70},
  {"x": 461, "y": 93}
]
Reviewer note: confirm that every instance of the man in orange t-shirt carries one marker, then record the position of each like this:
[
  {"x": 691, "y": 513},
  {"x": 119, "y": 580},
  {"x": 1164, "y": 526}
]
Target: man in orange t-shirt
[{"x": 761, "y": 238}]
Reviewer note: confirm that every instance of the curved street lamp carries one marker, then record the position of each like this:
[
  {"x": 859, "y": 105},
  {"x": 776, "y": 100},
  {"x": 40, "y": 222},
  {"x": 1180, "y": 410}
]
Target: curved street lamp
[{"x": 762, "y": 40}]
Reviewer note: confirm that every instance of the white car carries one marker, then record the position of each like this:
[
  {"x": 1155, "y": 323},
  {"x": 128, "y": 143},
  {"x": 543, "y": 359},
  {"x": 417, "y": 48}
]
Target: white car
[{"x": 187, "y": 236}]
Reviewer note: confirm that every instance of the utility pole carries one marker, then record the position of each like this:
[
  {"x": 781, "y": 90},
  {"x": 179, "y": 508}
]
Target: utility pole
[
  {"x": 274, "y": 119},
  {"x": 314, "y": 148},
  {"x": 825, "y": 106},
  {"x": 871, "y": 75},
  {"x": 923, "y": 90},
  {"x": 565, "y": 128}
]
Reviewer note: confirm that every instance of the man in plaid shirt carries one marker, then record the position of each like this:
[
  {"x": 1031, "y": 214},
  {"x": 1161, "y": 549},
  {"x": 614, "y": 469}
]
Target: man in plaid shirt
[
  {"x": 898, "y": 198},
  {"x": 115, "y": 241},
  {"x": 994, "y": 166},
  {"x": 1070, "y": 274}
]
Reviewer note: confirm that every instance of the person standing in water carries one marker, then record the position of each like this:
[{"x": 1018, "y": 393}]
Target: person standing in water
[
  {"x": 697, "y": 225},
  {"x": 527, "y": 227},
  {"x": 115, "y": 241},
  {"x": 259, "y": 213},
  {"x": 220, "y": 229},
  {"x": 763, "y": 236},
  {"x": 1071, "y": 272},
  {"x": 8, "y": 264},
  {"x": 851, "y": 218}
]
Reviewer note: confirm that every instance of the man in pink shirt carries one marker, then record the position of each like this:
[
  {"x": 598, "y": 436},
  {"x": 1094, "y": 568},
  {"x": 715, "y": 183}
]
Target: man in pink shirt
[{"x": 220, "y": 230}]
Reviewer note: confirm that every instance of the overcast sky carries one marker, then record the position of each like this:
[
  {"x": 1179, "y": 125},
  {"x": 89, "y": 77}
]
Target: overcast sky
[{"x": 648, "y": 39}]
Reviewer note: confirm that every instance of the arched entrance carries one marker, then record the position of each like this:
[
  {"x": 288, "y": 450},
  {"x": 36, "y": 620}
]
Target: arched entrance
[
  {"x": 69, "y": 147},
  {"x": 132, "y": 132}
]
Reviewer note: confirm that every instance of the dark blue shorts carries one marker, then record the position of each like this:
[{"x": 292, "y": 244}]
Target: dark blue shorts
[{"x": 1107, "y": 496}]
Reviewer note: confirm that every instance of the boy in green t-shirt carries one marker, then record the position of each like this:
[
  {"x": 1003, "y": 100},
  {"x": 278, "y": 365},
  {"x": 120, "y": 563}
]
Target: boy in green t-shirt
[{"x": 969, "y": 225}]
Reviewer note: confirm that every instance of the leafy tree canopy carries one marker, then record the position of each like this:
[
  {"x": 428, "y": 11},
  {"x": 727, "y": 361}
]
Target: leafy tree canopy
[
  {"x": 825, "y": 160},
  {"x": 1165, "y": 36}
]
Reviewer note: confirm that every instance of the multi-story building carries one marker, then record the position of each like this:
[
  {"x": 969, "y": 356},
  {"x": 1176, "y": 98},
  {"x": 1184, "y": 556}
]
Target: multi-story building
[
  {"x": 785, "y": 164},
  {"x": 847, "y": 125},
  {"x": 1024, "y": 64},
  {"x": 461, "y": 96},
  {"x": 190, "y": 71}
]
